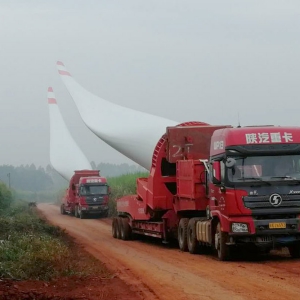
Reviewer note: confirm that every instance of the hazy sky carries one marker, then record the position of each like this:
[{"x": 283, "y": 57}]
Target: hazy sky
[{"x": 184, "y": 60}]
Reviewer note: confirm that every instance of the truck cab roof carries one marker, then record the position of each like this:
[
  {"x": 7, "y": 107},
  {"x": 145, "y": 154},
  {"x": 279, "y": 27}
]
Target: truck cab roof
[{"x": 253, "y": 135}]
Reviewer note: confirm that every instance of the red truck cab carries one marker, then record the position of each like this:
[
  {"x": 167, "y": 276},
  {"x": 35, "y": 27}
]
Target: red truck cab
[
  {"x": 93, "y": 194},
  {"x": 254, "y": 187},
  {"x": 88, "y": 194}
]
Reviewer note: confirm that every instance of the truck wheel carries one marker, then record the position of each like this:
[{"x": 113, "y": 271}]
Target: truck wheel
[
  {"x": 125, "y": 229},
  {"x": 220, "y": 243},
  {"x": 80, "y": 213},
  {"x": 105, "y": 214},
  {"x": 294, "y": 250},
  {"x": 76, "y": 212},
  {"x": 62, "y": 209},
  {"x": 182, "y": 234},
  {"x": 193, "y": 244},
  {"x": 119, "y": 226},
  {"x": 114, "y": 228}
]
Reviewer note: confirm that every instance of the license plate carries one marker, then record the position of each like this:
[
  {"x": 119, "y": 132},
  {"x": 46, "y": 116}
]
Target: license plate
[
  {"x": 95, "y": 207},
  {"x": 277, "y": 225}
]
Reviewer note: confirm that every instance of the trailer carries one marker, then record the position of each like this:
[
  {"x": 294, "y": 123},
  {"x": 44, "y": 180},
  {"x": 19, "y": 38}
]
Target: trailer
[{"x": 218, "y": 188}]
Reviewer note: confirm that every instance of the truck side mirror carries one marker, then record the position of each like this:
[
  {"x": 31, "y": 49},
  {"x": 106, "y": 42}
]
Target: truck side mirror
[
  {"x": 216, "y": 176},
  {"x": 230, "y": 162}
]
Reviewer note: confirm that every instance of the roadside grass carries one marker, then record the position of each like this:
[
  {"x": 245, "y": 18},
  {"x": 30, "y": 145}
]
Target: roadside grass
[
  {"x": 30, "y": 248},
  {"x": 121, "y": 186}
]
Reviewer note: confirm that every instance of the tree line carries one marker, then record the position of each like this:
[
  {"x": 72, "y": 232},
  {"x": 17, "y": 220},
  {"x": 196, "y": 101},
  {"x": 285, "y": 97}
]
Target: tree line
[
  {"x": 36, "y": 179},
  {"x": 5, "y": 196}
]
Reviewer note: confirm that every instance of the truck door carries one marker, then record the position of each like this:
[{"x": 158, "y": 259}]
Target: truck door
[{"x": 217, "y": 189}]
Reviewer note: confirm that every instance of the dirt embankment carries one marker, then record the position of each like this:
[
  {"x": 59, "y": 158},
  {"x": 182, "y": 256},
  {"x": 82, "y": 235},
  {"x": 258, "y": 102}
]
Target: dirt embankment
[
  {"x": 69, "y": 288},
  {"x": 154, "y": 271}
]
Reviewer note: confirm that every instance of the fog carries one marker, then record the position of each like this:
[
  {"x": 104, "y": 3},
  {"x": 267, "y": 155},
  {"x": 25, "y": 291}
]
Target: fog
[{"x": 211, "y": 61}]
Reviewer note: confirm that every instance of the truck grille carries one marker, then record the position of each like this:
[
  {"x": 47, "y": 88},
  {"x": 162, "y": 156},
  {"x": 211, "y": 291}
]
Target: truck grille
[
  {"x": 257, "y": 202},
  {"x": 94, "y": 200}
]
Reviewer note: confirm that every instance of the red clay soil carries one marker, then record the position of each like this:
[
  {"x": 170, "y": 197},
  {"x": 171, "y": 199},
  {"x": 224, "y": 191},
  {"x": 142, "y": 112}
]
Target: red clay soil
[
  {"x": 71, "y": 288},
  {"x": 159, "y": 272}
]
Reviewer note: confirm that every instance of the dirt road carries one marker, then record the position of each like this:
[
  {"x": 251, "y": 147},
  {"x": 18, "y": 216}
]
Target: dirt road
[{"x": 159, "y": 272}]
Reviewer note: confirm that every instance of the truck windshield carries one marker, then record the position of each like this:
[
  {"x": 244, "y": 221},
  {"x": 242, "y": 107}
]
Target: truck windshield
[
  {"x": 265, "y": 168},
  {"x": 93, "y": 190}
]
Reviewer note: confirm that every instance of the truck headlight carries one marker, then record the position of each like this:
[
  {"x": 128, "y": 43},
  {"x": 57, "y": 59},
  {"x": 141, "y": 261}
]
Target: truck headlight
[{"x": 239, "y": 227}]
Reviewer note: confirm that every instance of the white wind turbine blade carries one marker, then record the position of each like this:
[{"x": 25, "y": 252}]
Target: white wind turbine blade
[
  {"x": 133, "y": 133},
  {"x": 65, "y": 154}
]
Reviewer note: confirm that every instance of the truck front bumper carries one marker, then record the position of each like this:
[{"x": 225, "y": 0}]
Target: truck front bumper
[
  {"x": 95, "y": 209},
  {"x": 269, "y": 233}
]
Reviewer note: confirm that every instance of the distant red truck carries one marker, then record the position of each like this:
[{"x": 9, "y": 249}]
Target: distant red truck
[{"x": 87, "y": 194}]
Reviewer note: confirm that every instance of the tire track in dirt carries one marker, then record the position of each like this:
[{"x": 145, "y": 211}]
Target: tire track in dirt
[{"x": 159, "y": 272}]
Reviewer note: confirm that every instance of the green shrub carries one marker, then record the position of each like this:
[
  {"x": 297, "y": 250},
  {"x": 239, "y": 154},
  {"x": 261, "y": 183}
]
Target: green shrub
[
  {"x": 32, "y": 256},
  {"x": 5, "y": 196},
  {"x": 121, "y": 186},
  {"x": 30, "y": 248}
]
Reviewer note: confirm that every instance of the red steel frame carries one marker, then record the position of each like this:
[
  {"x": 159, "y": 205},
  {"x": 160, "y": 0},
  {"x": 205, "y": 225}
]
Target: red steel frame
[{"x": 165, "y": 194}]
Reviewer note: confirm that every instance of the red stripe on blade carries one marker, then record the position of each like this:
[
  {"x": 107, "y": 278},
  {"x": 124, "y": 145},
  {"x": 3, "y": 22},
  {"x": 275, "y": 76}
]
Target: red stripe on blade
[
  {"x": 61, "y": 72},
  {"x": 52, "y": 101}
]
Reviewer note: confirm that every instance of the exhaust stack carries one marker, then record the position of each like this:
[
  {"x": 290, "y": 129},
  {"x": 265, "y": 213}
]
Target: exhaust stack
[
  {"x": 132, "y": 133},
  {"x": 65, "y": 154}
]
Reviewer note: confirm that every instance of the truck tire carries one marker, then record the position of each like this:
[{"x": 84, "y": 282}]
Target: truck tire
[
  {"x": 62, "y": 209},
  {"x": 114, "y": 228},
  {"x": 76, "y": 212},
  {"x": 192, "y": 242},
  {"x": 81, "y": 214},
  {"x": 220, "y": 244},
  {"x": 105, "y": 214},
  {"x": 294, "y": 250},
  {"x": 125, "y": 229},
  {"x": 119, "y": 226},
  {"x": 182, "y": 234}
]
